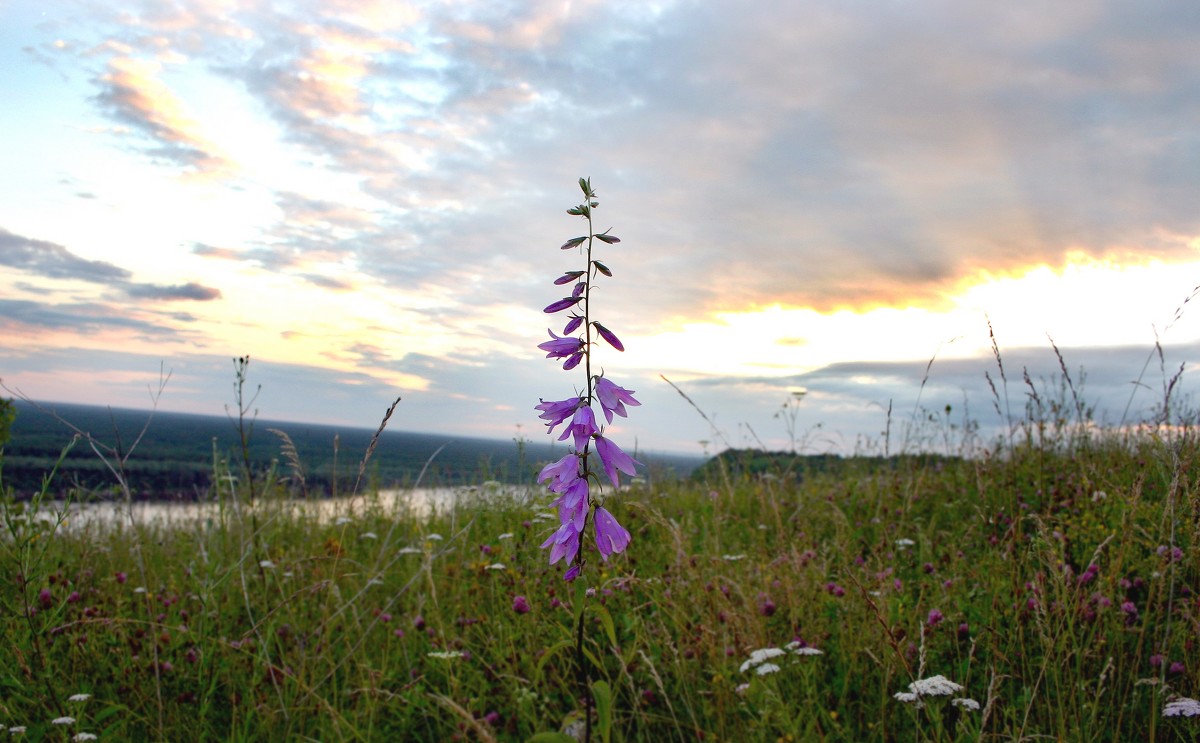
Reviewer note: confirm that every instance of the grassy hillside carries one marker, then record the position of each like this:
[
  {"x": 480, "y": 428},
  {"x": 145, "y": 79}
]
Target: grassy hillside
[{"x": 1048, "y": 585}]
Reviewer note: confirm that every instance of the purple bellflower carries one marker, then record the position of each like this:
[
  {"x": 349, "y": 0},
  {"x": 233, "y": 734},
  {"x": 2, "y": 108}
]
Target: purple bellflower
[
  {"x": 582, "y": 427},
  {"x": 557, "y": 412},
  {"x": 613, "y": 399},
  {"x": 571, "y": 478},
  {"x": 610, "y": 536},
  {"x": 615, "y": 460},
  {"x": 561, "y": 473}
]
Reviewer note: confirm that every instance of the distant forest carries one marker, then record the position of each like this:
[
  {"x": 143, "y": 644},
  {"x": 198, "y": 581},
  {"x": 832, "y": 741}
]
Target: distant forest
[{"x": 179, "y": 454}]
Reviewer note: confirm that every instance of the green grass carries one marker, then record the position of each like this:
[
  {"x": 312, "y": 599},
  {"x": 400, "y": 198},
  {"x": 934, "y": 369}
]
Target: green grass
[{"x": 264, "y": 624}]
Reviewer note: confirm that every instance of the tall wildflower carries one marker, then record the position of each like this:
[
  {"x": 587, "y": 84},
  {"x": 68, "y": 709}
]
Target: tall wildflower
[{"x": 572, "y": 479}]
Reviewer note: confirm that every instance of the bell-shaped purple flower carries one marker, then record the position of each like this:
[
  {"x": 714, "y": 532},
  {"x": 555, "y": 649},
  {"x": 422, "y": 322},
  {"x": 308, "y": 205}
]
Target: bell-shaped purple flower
[
  {"x": 610, "y": 536},
  {"x": 573, "y": 504},
  {"x": 556, "y": 412},
  {"x": 613, "y": 399},
  {"x": 609, "y": 336},
  {"x": 568, "y": 277},
  {"x": 560, "y": 347},
  {"x": 562, "y": 304},
  {"x": 561, "y": 473},
  {"x": 615, "y": 460},
  {"x": 583, "y": 425},
  {"x": 573, "y": 324},
  {"x": 563, "y": 543}
]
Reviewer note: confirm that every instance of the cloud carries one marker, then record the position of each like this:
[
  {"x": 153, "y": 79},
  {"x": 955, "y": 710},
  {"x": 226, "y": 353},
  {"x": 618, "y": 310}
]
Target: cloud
[
  {"x": 53, "y": 261},
  {"x": 132, "y": 93},
  {"x": 190, "y": 290},
  {"x": 84, "y": 318}
]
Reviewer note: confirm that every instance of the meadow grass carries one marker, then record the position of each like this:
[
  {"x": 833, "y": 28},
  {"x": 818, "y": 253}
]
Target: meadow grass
[{"x": 1053, "y": 577}]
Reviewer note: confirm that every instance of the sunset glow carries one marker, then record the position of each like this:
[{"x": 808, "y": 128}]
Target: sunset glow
[{"x": 366, "y": 198}]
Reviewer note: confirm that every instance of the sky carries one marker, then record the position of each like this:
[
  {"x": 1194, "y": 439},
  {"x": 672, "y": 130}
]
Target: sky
[{"x": 860, "y": 201}]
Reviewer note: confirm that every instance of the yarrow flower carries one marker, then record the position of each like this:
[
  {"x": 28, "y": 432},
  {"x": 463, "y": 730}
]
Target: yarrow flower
[
  {"x": 1182, "y": 707},
  {"x": 570, "y": 477},
  {"x": 758, "y": 658},
  {"x": 935, "y": 686}
]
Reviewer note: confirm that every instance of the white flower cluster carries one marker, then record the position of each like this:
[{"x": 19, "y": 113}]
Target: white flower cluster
[
  {"x": 1182, "y": 707},
  {"x": 935, "y": 686},
  {"x": 758, "y": 659}
]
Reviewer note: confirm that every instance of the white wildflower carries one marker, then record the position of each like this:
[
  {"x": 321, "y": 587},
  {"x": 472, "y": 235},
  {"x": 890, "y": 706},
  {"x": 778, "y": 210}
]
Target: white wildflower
[
  {"x": 904, "y": 543},
  {"x": 506, "y": 535},
  {"x": 63, "y": 721},
  {"x": 966, "y": 703},
  {"x": 733, "y": 558},
  {"x": 934, "y": 686},
  {"x": 342, "y": 521},
  {"x": 496, "y": 566},
  {"x": 445, "y": 654},
  {"x": 435, "y": 537},
  {"x": 375, "y": 582},
  {"x": 760, "y": 656},
  {"x": 266, "y": 565},
  {"x": 84, "y": 736},
  {"x": 795, "y": 649},
  {"x": 16, "y": 729},
  {"x": 907, "y": 696},
  {"x": 742, "y": 688},
  {"x": 1182, "y": 707},
  {"x": 410, "y": 551},
  {"x": 766, "y": 668},
  {"x": 140, "y": 589},
  {"x": 79, "y": 697},
  {"x": 368, "y": 535}
]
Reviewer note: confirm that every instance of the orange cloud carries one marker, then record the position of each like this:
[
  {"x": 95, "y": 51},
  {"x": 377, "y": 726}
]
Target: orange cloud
[{"x": 135, "y": 95}]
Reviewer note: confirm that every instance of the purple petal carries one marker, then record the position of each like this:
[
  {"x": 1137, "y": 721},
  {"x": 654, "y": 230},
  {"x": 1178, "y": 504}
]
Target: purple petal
[
  {"x": 561, "y": 304},
  {"x": 567, "y": 277},
  {"x": 615, "y": 460},
  {"x": 607, "y": 335},
  {"x": 613, "y": 398},
  {"x": 573, "y": 324},
  {"x": 610, "y": 536}
]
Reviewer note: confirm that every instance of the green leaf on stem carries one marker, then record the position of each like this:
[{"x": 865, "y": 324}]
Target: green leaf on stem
[
  {"x": 574, "y": 242},
  {"x": 610, "y": 239},
  {"x": 603, "y": 696}
]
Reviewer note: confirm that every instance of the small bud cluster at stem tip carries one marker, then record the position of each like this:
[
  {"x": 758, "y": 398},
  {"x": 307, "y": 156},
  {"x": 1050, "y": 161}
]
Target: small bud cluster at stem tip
[{"x": 571, "y": 478}]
